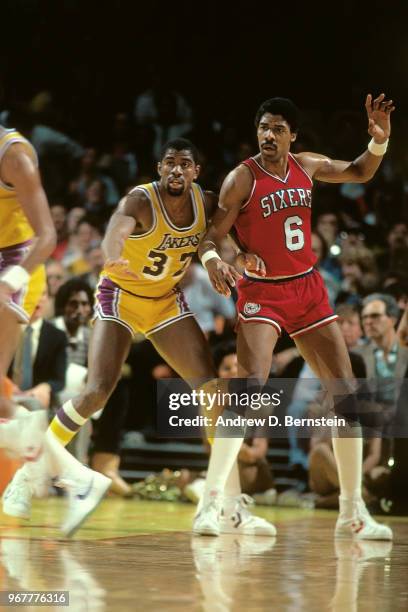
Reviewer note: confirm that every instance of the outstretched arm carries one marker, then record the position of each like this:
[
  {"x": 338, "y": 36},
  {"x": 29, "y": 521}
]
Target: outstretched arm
[
  {"x": 363, "y": 168},
  {"x": 133, "y": 216}
]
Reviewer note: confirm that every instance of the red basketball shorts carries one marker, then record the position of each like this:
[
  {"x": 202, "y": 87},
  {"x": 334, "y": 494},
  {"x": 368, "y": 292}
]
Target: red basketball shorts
[{"x": 298, "y": 305}]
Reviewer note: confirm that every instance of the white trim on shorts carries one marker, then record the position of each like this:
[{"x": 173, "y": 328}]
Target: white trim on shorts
[
  {"x": 262, "y": 320},
  {"x": 20, "y": 312},
  {"x": 99, "y": 315},
  {"x": 168, "y": 322},
  {"x": 319, "y": 323}
]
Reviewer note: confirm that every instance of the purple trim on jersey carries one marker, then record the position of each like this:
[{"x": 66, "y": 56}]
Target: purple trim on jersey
[{"x": 67, "y": 421}]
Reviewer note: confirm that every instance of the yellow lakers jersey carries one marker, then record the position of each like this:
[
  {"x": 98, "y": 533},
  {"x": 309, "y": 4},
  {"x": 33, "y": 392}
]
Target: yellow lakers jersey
[
  {"x": 161, "y": 256},
  {"x": 14, "y": 225}
]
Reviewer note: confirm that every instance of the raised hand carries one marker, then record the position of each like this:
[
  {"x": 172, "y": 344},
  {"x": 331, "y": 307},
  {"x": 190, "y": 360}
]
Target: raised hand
[{"x": 378, "y": 113}]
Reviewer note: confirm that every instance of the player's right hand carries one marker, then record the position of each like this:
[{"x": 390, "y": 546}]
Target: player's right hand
[
  {"x": 120, "y": 266},
  {"x": 222, "y": 276}
]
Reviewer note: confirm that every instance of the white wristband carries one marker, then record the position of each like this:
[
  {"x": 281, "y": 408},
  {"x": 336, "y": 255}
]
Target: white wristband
[
  {"x": 377, "y": 149},
  {"x": 16, "y": 277},
  {"x": 209, "y": 255}
]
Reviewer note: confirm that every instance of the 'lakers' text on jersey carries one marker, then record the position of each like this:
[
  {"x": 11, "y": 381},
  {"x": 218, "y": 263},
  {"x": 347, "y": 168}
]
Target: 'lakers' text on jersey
[
  {"x": 161, "y": 256},
  {"x": 275, "y": 222}
]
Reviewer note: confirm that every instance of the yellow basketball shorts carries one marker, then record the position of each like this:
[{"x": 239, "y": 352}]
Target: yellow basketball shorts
[
  {"x": 138, "y": 313},
  {"x": 23, "y": 302}
]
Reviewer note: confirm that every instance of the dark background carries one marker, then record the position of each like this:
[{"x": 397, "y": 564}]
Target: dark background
[{"x": 225, "y": 57}]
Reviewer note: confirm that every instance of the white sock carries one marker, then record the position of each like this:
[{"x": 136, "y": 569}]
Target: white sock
[
  {"x": 232, "y": 489},
  {"x": 60, "y": 462},
  {"x": 349, "y": 458},
  {"x": 224, "y": 452}
]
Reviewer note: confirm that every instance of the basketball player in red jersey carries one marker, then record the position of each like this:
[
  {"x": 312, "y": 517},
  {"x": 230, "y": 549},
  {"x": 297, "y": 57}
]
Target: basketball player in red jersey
[{"x": 267, "y": 201}]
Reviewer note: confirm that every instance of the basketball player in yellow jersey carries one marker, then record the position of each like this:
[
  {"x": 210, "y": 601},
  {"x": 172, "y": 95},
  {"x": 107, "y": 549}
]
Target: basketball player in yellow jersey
[
  {"x": 148, "y": 245},
  {"x": 27, "y": 238}
]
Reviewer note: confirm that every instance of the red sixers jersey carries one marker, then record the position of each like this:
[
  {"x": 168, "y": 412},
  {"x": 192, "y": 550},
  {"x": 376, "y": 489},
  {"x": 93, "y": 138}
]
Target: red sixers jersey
[{"x": 275, "y": 222}]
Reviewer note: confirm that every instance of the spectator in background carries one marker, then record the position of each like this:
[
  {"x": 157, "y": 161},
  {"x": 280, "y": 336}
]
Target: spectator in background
[
  {"x": 327, "y": 226},
  {"x": 359, "y": 272},
  {"x": 163, "y": 110},
  {"x": 386, "y": 362},
  {"x": 73, "y": 309},
  {"x": 350, "y": 325},
  {"x": 319, "y": 248},
  {"x": 395, "y": 258},
  {"x": 59, "y": 217},
  {"x": 121, "y": 163},
  {"x": 90, "y": 172},
  {"x": 95, "y": 259},
  {"x": 398, "y": 289},
  {"x": 40, "y": 363},
  {"x": 56, "y": 276},
  {"x": 73, "y": 218},
  {"x": 88, "y": 233},
  {"x": 204, "y": 301},
  {"x": 95, "y": 201},
  {"x": 57, "y": 152}
]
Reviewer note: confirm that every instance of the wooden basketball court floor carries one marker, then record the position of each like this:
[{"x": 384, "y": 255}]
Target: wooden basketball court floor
[{"x": 136, "y": 555}]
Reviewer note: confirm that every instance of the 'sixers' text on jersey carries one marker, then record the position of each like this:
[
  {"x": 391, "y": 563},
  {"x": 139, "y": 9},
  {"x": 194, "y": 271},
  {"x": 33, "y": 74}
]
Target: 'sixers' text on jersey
[{"x": 275, "y": 222}]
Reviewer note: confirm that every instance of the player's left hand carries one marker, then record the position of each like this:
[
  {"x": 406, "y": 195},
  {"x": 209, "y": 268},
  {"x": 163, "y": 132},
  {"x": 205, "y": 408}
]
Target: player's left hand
[
  {"x": 378, "y": 113},
  {"x": 251, "y": 262}
]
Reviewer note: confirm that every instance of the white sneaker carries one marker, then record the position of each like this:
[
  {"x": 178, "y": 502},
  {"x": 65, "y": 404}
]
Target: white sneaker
[
  {"x": 17, "y": 496},
  {"x": 29, "y": 481},
  {"x": 361, "y": 526},
  {"x": 85, "y": 493},
  {"x": 241, "y": 521},
  {"x": 207, "y": 520}
]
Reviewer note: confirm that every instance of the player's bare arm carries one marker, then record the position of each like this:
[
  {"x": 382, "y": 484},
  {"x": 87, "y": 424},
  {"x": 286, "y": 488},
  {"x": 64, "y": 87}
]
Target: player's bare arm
[
  {"x": 243, "y": 260},
  {"x": 132, "y": 216},
  {"x": 19, "y": 170},
  {"x": 234, "y": 192},
  {"x": 363, "y": 168}
]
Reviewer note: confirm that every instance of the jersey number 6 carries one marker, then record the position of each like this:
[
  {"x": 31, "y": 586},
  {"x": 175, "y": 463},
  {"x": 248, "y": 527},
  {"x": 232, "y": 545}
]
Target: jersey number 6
[{"x": 295, "y": 238}]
